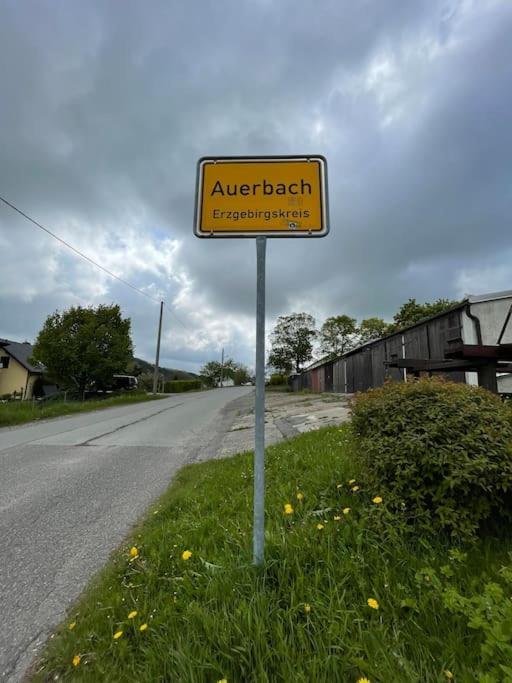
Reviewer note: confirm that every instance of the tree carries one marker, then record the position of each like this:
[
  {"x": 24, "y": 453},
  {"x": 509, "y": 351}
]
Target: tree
[
  {"x": 145, "y": 381},
  {"x": 240, "y": 374},
  {"x": 291, "y": 341},
  {"x": 372, "y": 328},
  {"x": 82, "y": 346},
  {"x": 412, "y": 312},
  {"x": 212, "y": 372},
  {"x": 338, "y": 335},
  {"x": 279, "y": 359}
]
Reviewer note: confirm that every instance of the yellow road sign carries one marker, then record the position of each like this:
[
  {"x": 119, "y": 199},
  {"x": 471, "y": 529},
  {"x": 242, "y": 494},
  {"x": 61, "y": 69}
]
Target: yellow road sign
[{"x": 271, "y": 196}]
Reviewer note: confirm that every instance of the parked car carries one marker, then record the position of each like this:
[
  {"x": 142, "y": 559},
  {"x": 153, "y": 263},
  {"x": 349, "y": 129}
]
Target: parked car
[{"x": 126, "y": 382}]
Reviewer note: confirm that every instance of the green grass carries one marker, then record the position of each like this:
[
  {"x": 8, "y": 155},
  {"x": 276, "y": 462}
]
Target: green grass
[
  {"x": 215, "y": 616},
  {"x": 20, "y": 412}
]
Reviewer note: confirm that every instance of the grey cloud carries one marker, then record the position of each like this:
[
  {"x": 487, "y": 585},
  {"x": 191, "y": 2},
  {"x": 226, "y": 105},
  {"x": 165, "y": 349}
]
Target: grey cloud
[{"x": 105, "y": 112}]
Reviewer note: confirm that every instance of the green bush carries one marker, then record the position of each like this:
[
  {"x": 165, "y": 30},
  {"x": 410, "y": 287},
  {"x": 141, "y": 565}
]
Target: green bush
[
  {"x": 277, "y": 379},
  {"x": 177, "y": 386},
  {"x": 441, "y": 450},
  {"x": 489, "y": 612}
]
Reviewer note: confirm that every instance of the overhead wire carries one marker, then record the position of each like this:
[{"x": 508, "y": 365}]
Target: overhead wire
[
  {"x": 90, "y": 260},
  {"x": 77, "y": 251}
]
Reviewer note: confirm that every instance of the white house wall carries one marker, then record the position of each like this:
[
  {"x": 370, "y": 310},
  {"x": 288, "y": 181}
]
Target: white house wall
[
  {"x": 492, "y": 315},
  {"x": 505, "y": 384},
  {"x": 469, "y": 336}
]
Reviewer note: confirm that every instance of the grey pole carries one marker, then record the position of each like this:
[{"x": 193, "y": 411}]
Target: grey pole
[
  {"x": 222, "y": 370},
  {"x": 157, "y": 361},
  {"x": 259, "y": 408}
]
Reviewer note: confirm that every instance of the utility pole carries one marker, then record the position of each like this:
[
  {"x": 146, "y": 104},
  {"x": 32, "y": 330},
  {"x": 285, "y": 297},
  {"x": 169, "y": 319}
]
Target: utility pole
[
  {"x": 157, "y": 361},
  {"x": 222, "y": 368}
]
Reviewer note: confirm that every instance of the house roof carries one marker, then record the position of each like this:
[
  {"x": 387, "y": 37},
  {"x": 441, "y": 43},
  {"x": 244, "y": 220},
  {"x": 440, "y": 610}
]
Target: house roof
[
  {"x": 321, "y": 361},
  {"x": 493, "y": 296},
  {"x": 22, "y": 353}
]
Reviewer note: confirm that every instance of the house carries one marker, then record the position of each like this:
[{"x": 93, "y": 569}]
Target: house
[
  {"x": 470, "y": 342},
  {"x": 17, "y": 373},
  {"x": 227, "y": 382}
]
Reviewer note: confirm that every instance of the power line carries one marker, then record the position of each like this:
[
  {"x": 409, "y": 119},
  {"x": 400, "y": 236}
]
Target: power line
[
  {"x": 187, "y": 329},
  {"x": 76, "y": 251},
  {"x": 93, "y": 262}
]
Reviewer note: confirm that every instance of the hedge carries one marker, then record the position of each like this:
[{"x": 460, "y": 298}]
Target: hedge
[{"x": 177, "y": 386}]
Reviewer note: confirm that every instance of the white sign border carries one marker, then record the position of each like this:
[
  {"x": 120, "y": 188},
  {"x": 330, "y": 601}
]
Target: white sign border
[{"x": 226, "y": 234}]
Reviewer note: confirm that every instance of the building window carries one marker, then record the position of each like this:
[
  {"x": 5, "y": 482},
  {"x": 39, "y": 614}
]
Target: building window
[{"x": 4, "y": 362}]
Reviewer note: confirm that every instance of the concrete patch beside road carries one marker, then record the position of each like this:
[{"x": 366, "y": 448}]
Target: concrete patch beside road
[{"x": 286, "y": 415}]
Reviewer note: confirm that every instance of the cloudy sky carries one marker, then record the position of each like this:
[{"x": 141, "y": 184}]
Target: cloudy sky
[{"x": 106, "y": 106}]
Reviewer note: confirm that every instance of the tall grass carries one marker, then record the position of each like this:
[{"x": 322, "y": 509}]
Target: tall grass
[
  {"x": 20, "y": 412},
  {"x": 305, "y": 616}
]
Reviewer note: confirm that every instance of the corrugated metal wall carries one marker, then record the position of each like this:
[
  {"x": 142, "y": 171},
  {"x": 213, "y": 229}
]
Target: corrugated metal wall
[
  {"x": 315, "y": 380},
  {"x": 318, "y": 379},
  {"x": 329, "y": 376},
  {"x": 393, "y": 350},
  {"x": 359, "y": 366},
  {"x": 416, "y": 342},
  {"x": 379, "y": 371},
  {"x": 338, "y": 384},
  {"x": 440, "y": 332}
]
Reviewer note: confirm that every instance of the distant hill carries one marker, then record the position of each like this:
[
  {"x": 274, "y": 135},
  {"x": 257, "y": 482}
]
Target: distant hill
[{"x": 141, "y": 366}]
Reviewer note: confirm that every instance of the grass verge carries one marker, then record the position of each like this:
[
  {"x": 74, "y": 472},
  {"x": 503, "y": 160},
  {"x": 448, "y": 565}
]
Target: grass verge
[
  {"x": 16, "y": 413},
  {"x": 305, "y": 617}
]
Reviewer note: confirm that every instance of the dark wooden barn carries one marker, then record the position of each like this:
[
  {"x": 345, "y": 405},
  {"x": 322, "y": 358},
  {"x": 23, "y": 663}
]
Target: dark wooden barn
[{"x": 471, "y": 342}]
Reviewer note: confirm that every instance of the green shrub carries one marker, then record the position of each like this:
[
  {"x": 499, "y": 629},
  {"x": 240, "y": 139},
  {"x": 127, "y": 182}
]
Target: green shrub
[
  {"x": 489, "y": 612},
  {"x": 277, "y": 379},
  {"x": 177, "y": 386},
  {"x": 442, "y": 451}
]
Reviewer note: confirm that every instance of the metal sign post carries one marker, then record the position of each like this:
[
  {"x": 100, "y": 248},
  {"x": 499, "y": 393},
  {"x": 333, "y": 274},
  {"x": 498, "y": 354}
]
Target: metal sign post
[
  {"x": 259, "y": 408},
  {"x": 260, "y": 197}
]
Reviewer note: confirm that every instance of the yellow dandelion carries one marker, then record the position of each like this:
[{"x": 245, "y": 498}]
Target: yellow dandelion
[
  {"x": 363, "y": 680},
  {"x": 222, "y": 680},
  {"x": 448, "y": 675},
  {"x": 373, "y": 603},
  {"x": 133, "y": 614},
  {"x": 143, "y": 627},
  {"x": 72, "y": 625},
  {"x": 346, "y": 511},
  {"x": 117, "y": 635},
  {"x": 134, "y": 553},
  {"x": 338, "y": 486},
  {"x": 288, "y": 509},
  {"x": 186, "y": 555},
  {"x": 337, "y": 518},
  {"x": 76, "y": 660},
  {"x": 355, "y": 488},
  {"x": 319, "y": 527},
  {"x": 300, "y": 496},
  {"x": 377, "y": 500},
  {"x": 307, "y": 608},
  {"x": 351, "y": 482}
]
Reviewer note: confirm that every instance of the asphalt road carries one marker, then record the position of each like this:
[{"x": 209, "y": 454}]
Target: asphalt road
[{"x": 70, "y": 490}]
